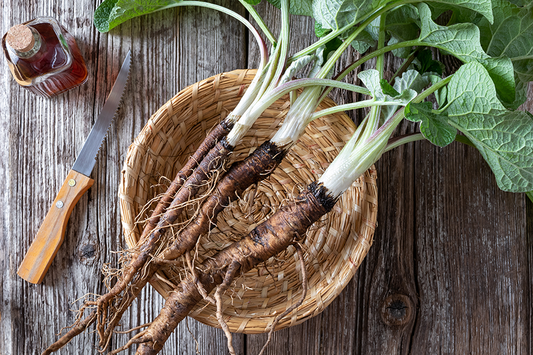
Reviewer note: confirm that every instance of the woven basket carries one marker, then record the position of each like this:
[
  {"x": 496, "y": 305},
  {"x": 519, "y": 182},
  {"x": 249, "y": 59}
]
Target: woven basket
[{"x": 334, "y": 247}]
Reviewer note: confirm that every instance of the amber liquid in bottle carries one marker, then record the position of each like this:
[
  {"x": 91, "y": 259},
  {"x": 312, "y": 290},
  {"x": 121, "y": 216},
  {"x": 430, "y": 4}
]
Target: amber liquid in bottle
[{"x": 54, "y": 65}]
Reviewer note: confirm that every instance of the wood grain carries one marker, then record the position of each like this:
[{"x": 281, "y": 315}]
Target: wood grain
[{"x": 450, "y": 270}]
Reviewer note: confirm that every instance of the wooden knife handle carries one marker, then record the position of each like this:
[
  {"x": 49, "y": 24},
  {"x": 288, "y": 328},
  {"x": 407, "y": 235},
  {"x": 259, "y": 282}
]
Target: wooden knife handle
[{"x": 50, "y": 236}]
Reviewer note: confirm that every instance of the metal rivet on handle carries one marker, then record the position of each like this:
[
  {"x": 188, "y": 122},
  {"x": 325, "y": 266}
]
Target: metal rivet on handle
[
  {"x": 59, "y": 204},
  {"x": 71, "y": 182}
]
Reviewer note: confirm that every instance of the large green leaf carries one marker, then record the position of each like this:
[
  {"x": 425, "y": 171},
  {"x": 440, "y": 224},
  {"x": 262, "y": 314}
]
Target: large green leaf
[
  {"x": 463, "y": 41},
  {"x": 504, "y": 138},
  {"x": 471, "y": 90},
  {"x": 401, "y": 25},
  {"x": 511, "y": 35},
  {"x": 111, "y": 13},
  {"x": 334, "y": 14}
]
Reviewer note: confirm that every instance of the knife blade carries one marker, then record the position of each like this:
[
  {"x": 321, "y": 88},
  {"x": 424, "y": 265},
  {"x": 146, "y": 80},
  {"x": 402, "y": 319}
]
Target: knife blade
[{"x": 51, "y": 234}]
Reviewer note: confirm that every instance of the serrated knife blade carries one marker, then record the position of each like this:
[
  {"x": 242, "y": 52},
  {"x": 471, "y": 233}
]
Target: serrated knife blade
[
  {"x": 51, "y": 234},
  {"x": 87, "y": 158}
]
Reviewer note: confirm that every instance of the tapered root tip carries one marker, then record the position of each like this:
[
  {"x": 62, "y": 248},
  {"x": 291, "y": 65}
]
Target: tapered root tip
[{"x": 76, "y": 329}]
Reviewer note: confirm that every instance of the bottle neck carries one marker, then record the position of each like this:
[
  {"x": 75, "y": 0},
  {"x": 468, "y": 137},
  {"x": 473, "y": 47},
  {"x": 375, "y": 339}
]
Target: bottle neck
[{"x": 33, "y": 44}]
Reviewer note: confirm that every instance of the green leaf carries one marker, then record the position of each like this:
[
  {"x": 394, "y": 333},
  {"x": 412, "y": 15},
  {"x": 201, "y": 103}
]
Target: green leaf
[
  {"x": 370, "y": 79},
  {"x": 334, "y": 14},
  {"x": 101, "y": 15},
  {"x": 504, "y": 138},
  {"x": 511, "y": 35},
  {"x": 401, "y": 23},
  {"x": 295, "y": 67},
  {"x": 530, "y": 195},
  {"x": 112, "y": 13},
  {"x": 471, "y": 91},
  {"x": 426, "y": 64},
  {"x": 387, "y": 88},
  {"x": 319, "y": 31},
  {"x": 253, "y": 2},
  {"x": 433, "y": 125},
  {"x": 463, "y": 41},
  {"x": 412, "y": 79},
  {"x": 363, "y": 42}
]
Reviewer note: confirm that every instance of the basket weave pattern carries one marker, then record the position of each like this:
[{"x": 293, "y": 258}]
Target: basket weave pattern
[{"x": 334, "y": 247}]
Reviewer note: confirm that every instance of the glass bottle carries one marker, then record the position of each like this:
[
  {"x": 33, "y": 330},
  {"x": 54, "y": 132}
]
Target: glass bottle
[{"x": 43, "y": 57}]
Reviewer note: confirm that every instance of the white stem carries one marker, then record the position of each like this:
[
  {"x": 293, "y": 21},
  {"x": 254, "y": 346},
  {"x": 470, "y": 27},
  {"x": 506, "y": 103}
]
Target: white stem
[
  {"x": 298, "y": 117},
  {"x": 283, "y": 43},
  {"x": 259, "y": 21},
  {"x": 263, "y": 101},
  {"x": 352, "y": 106},
  {"x": 354, "y": 159},
  {"x": 252, "y": 91},
  {"x": 360, "y": 152},
  {"x": 404, "y": 140},
  {"x": 249, "y": 96}
]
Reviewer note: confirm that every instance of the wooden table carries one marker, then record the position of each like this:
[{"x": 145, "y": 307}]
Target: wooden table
[{"x": 450, "y": 270}]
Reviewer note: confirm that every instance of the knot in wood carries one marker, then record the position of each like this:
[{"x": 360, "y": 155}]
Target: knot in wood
[
  {"x": 88, "y": 252},
  {"x": 397, "y": 310}
]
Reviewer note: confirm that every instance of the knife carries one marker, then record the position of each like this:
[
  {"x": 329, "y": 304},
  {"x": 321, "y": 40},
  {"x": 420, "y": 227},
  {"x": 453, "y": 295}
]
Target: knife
[{"x": 51, "y": 234}]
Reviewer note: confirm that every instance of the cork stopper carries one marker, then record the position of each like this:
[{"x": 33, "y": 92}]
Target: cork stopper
[{"x": 20, "y": 38}]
